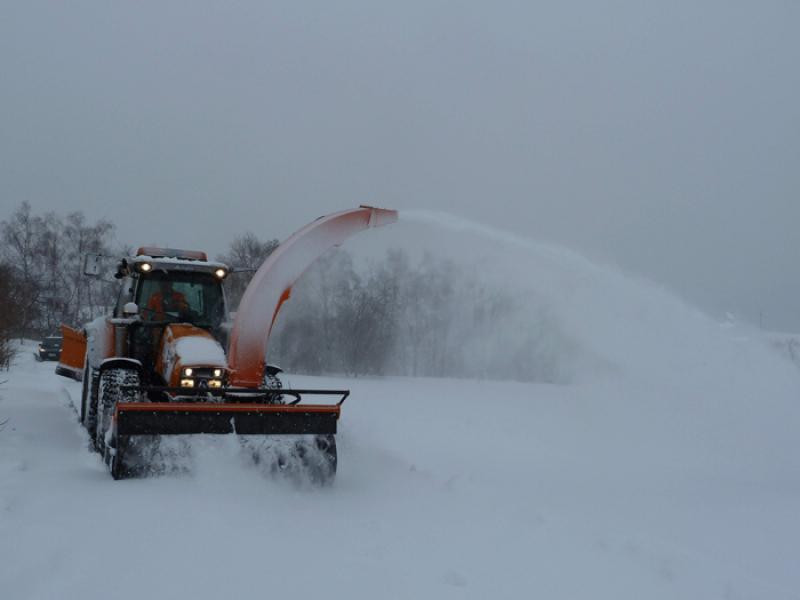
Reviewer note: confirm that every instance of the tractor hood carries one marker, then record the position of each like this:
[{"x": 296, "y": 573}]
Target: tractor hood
[{"x": 184, "y": 345}]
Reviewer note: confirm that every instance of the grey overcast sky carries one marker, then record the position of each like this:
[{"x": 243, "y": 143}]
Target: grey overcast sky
[{"x": 663, "y": 136}]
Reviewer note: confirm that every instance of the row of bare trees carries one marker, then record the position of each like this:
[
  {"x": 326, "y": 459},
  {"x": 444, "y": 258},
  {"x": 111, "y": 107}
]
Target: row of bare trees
[
  {"x": 429, "y": 317},
  {"x": 397, "y": 316},
  {"x": 245, "y": 254},
  {"x": 12, "y": 301},
  {"x": 391, "y": 316},
  {"x": 44, "y": 256}
]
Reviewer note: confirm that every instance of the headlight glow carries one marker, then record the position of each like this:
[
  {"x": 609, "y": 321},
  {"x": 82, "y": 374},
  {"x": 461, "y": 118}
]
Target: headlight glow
[
  {"x": 145, "y": 267},
  {"x": 215, "y": 383},
  {"x": 220, "y": 273},
  {"x": 187, "y": 383},
  {"x": 187, "y": 372},
  {"x": 217, "y": 372}
]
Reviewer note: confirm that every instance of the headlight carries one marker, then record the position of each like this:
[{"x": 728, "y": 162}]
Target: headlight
[
  {"x": 187, "y": 383},
  {"x": 187, "y": 372},
  {"x": 217, "y": 372},
  {"x": 145, "y": 267},
  {"x": 215, "y": 383},
  {"x": 220, "y": 273}
]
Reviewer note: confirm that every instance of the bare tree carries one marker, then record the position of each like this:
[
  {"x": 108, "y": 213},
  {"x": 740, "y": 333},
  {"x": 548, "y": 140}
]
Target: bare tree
[
  {"x": 19, "y": 236},
  {"x": 12, "y": 301},
  {"x": 246, "y": 254},
  {"x": 430, "y": 318},
  {"x": 46, "y": 255},
  {"x": 79, "y": 239}
]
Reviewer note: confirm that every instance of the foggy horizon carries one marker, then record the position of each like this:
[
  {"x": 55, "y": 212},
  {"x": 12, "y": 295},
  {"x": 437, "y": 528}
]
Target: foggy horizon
[{"x": 659, "y": 138}]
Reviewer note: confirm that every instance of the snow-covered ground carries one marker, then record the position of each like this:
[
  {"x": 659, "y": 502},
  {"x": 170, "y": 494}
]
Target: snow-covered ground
[
  {"x": 666, "y": 465},
  {"x": 447, "y": 489}
]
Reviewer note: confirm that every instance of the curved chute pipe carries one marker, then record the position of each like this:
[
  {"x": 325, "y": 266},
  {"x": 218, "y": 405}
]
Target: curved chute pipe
[{"x": 272, "y": 283}]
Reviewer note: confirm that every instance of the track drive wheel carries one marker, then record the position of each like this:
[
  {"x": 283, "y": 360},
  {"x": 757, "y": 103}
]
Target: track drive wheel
[
  {"x": 89, "y": 404},
  {"x": 91, "y": 381},
  {"x": 111, "y": 389},
  {"x": 87, "y": 378}
]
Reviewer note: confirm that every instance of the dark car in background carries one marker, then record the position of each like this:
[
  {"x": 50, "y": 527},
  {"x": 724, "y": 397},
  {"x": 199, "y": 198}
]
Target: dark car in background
[{"x": 49, "y": 348}]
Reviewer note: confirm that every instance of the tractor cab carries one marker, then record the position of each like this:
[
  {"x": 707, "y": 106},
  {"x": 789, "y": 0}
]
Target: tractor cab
[
  {"x": 168, "y": 294},
  {"x": 170, "y": 285}
]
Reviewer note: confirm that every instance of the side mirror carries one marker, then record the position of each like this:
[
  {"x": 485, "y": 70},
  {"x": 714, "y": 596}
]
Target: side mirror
[
  {"x": 91, "y": 265},
  {"x": 130, "y": 309}
]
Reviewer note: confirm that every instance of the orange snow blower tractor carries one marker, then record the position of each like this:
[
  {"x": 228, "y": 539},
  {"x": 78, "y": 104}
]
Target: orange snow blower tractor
[{"x": 168, "y": 362}]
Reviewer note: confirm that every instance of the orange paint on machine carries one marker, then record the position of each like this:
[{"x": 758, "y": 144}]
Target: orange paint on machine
[{"x": 167, "y": 360}]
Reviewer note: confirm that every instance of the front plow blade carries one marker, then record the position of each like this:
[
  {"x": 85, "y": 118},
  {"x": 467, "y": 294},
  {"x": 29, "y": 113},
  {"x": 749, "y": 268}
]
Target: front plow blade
[
  {"x": 176, "y": 418},
  {"x": 135, "y": 445}
]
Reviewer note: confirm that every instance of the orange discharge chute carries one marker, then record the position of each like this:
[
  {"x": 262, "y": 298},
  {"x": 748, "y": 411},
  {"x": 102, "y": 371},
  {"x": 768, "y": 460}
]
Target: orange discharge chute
[{"x": 272, "y": 284}]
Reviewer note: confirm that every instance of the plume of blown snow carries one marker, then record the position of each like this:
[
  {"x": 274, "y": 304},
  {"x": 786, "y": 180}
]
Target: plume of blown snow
[
  {"x": 622, "y": 322},
  {"x": 720, "y": 388}
]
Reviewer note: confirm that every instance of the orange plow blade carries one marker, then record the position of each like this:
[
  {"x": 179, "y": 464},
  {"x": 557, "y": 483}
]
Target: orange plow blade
[
  {"x": 73, "y": 353},
  {"x": 278, "y": 437},
  {"x": 177, "y": 418}
]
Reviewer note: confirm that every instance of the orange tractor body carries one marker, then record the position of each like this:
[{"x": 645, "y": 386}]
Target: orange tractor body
[{"x": 168, "y": 362}]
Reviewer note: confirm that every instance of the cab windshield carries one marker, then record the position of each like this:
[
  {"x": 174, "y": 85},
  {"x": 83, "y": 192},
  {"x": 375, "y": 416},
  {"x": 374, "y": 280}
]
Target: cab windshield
[{"x": 181, "y": 297}]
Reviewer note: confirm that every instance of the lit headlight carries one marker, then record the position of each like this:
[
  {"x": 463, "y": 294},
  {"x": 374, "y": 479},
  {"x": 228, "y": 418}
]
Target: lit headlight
[
  {"x": 220, "y": 273},
  {"x": 217, "y": 372},
  {"x": 145, "y": 267},
  {"x": 187, "y": 372},
  {"x": 187, "y": 383},
  {"x": 215, "y": 383}
]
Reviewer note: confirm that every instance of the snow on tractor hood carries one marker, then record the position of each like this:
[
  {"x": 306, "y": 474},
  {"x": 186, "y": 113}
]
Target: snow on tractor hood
[
  {"x": 197, "y": 350},
  {"x": 188, "y": 345}
]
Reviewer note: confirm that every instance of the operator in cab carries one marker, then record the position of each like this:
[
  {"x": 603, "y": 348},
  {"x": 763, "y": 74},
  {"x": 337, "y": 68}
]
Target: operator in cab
[{"x": 166, "y": 300}]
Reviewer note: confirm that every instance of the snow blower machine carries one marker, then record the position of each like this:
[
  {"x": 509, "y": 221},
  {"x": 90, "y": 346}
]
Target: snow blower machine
[{"x": 168, "y": 362}]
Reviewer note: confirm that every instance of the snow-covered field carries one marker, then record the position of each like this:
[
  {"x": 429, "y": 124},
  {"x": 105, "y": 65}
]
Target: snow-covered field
[
  {"x": 666, "y": 465},
  {"x": 447, "y": 489}
]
